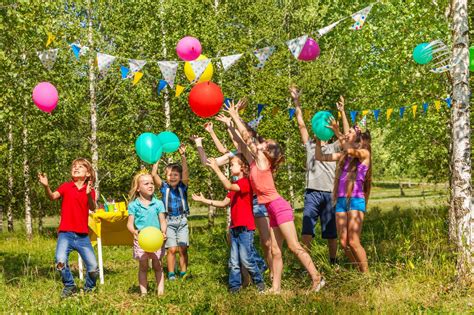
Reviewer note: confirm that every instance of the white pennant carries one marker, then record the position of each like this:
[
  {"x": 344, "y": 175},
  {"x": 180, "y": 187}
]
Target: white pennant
[
  {"x": 48, "y": 57},
  {"x": 327, "y": 29},
  {"x": 168, "y": 70},
  {"x": 136, "y": 65},
  {"x": 228, "y": 61},
  {"x": 296, "y": 45},
  {"x": 198, "y": 67},
  {"x": 360, "y": 17},
  {"x": 104, "y": 61},
  {"x": 263, "y": 55},
  {"x": 254, "y": 123}
]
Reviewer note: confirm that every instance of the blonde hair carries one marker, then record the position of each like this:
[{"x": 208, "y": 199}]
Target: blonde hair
[
  {"x": 84, "y": 162},
  {"x": 274, "y": 154},
  {"x": 133, "y": 193}
]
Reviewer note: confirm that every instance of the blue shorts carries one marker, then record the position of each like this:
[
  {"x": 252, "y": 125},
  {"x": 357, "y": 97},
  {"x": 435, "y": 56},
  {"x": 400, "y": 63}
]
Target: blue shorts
[
  {"x": 318, "y": 204},
  {"x": 356, "y": 204},
  {"x": 259, "y": 211}
]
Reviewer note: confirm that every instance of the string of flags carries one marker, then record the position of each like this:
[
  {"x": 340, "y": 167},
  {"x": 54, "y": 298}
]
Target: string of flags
[{"x": 169, "y": 69}]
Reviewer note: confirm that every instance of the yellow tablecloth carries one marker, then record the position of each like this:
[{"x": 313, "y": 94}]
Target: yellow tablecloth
[{"x": 111, "y": 227}]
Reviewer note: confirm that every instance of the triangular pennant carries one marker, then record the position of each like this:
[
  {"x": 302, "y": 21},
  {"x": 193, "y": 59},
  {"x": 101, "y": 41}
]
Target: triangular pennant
[
  {"x": 327, "y": 29},
  {"x": 401, "y": 111},
  {"x": 260, "y": 108},
  {"x": 376, "y": 113},
  {"x": 228, "y": 61},
  {"x": 296, "y": 45},
  {"x": 389, "y": 113},
  {"x": 136, "y": 77},
  {"x": 254, "y": 123},
  {"x": 227, "y": 102},
  {"x": 136, "y": 65},
  {"x": 414, "y": 108},
  {"x": 448, "y": 101},
  {"x": 48, "y": 57},
  {"x": 104, "y": 61},
  {"x": 168, "y": 70},
  {"x": 339, "y": 115},
  {"x": 50, "y": 39},
  {"x": 199, "y": 66},
  {"x": 161, "y": 86},
  {"x": 125, "y": 72},
  {"x": 365, "y": 112},
  {"x": 179, "y": 90},
  {"x": 76, "y": 49},
  {"x": 437, "y": 105},
  {"x": 291, "y": 112},
  {"x": 263, "y": 54},
  {"x": 353, "y": 115},
  {"x": 360, "y": 17},
  {"x": 425, "y": 107}
]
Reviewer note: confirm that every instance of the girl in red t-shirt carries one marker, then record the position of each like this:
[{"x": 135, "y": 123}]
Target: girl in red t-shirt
[{"x": 242, "y": 226}]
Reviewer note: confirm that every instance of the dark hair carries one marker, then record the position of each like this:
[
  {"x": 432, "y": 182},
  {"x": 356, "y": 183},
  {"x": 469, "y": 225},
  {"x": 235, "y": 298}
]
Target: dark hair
[
  {"x": 243, "y": 162},
  {"x": 174, "y": 167},
  {"x": 274, "y": 154}
]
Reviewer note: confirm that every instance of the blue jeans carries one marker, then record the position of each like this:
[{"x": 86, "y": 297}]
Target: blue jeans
[
  {"x": 67, "y": 242},
  {"x": 242, "y": 252}
]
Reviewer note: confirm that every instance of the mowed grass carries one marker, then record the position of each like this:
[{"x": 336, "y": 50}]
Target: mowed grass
[{"x": 412, "y": 269}]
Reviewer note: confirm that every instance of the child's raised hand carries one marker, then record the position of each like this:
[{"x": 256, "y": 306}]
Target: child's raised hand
[
  {"x": 197, "y": 197},
  {"x": 340, "y": 104},
  {"x": 233, "y": 110},
  {"x": 295, "y": 94},
  {"x": 209, "y": 127},
  {"x": 224, "y": 119},
  {"x": 242, "y": 103},
  {"x": 43, "y": 179},
  {"x": 196, "y": 139},
  {"x": 212, "y": 163},
  {"x": 182, "y": 149},
  {"x": 332, "y": 124}
]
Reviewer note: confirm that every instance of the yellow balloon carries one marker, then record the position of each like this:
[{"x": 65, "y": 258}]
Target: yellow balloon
[
  {"x": 206, "y": 75},
  {"x": 150, "y": 239}
]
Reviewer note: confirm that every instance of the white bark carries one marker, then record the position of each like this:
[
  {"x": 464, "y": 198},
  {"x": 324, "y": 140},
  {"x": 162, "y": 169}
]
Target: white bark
[
  {"x": 26, "y": 180},
  {"x": 10, "y": 179},
  {"x": 164, "y": 51},
  {"x": 461, "y": 155}
]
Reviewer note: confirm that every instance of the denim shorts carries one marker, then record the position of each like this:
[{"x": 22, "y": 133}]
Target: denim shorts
[
  {"x": 177, "y": 232},
  {"x": 356, "y": 204},
  {"x": 318, "y": 204},
  {"x": 259, "y": 211}
]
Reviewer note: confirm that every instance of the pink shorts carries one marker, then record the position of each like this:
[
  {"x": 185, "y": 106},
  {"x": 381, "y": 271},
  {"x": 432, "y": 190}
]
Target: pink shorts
[
  {"x": 279, "y": 212},
  {"x": 140, "y": 254}
]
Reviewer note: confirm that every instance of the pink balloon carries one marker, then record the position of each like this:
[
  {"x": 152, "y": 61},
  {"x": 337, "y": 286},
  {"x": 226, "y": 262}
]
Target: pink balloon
[
  {"x": 45, "y": 96},
  {"x": 310, "y": 50},
  {"x": 188, "y": 48}
]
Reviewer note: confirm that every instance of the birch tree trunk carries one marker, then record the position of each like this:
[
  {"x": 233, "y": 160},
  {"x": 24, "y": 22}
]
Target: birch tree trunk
[
  {"x": 165, "y": 53},
  {"x": 26, "y": 179},
  {"x": 461, "y": 155},
  {"x": 10, "y": 179}
]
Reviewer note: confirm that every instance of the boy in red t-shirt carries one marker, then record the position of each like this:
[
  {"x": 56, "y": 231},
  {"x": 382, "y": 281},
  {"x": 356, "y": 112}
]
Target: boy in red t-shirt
[
  {"x": 242, "y": 226},
  {"x": 78, "y": 197}
]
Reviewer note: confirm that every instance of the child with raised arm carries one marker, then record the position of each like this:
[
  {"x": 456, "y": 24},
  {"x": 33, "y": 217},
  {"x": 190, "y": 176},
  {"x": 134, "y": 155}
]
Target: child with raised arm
[
  {"x": 264, "y": 157},
  {"x": 77, "y": 198},
  {"x": 145, "y": 210},
  {"x": 351, "y": 188},
  {"x": 242, "y": 225},
  {"x": 174, "y": 193}
]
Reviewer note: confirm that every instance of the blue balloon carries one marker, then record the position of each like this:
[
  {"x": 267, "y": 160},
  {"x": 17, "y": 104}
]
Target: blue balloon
[
  {"x": 422, "y": 55},
  {"x": 319, "y": 123},
  {"x": 148, "y": 148},
  {"x": 169, "y": 141}
]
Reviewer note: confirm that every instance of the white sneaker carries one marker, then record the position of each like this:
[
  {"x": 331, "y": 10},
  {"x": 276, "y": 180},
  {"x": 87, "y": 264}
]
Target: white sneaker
[{"x": 320, "y": 285}]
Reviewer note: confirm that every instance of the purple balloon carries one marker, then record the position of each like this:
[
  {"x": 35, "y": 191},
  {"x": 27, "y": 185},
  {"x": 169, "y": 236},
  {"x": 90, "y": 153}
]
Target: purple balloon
[
  {"x": 45, "y": 96},
  {"x": 310, "y": 50},
  {"x": 188, "y": 48}
]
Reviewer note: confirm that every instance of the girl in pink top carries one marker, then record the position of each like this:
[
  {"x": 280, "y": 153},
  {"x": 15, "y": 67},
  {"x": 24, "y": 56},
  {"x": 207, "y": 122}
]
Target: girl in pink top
[{"x": 264, "y": 158}]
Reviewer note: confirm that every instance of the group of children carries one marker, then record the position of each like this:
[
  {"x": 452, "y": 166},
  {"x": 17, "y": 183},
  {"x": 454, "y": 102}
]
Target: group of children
[{"x": 338, "y": 178}]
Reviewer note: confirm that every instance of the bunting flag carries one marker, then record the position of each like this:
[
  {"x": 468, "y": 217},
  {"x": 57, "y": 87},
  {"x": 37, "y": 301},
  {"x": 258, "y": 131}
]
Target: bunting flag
[
  {"x": 50, "y": 39},
  {"x": 263, "y": 54},
  {"x": 48, "y": 57},
  {"x": 291, "y": 112},
  {"x": 199, "y": 66},
  {"x": 136, "y": 65},
  {"x": 136, "y": 77},
  {"x": 296, "y": 45},
  {"x": 327, "y": 29},
  {"x": 448, "y": 101},
  {"x": 76, "y": 49},
  {"x": 425, "y": 107},
  {"x": 339, "y": 116},
  {"x": 353, "y": 116},
  {"x": 227, "y": 102},
  {"x": 365, "y": 112},
  {"x": 389, "y": 113},
  {"x": 254, "y": 123},
  {"x": 168, "y": 70},
  {"x": 260, "y": 108},
  {"x": 228, "y": 61},
  {"x": 161, "y": 86},
  {"x": 360, "y": 17},
  {"x": 414, "y": 108},
  {"x": 125, "y": 72},
  {"x": 179, "y": 90},
  {"x": 437, "y": 105},
  {"x": 104, "y": 61},
  {"x": 376, "y": 113},
  {"x": 401, "y": 111}
]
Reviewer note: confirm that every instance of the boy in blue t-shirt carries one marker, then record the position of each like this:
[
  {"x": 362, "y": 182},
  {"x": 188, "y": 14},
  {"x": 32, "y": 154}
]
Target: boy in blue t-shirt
[{"x": 175, "y": 198}]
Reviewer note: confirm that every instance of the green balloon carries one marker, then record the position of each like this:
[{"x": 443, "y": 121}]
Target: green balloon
[
  {"x": 422, "y": 55},
  {"x": 319, "y": 123},
  {"x": 148, "y": 148},
  {"x": 169, "y": 141}
]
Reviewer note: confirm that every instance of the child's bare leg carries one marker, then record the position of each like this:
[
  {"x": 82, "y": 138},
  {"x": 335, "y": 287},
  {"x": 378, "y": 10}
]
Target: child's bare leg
[
  {"x": 171, "y": 258},
  {"x": 265, "y": 240},
  {"x": 160, "y": 279},
  {"x": 277, "y": 259},
  {"x": 183, "y": 258},
  {"x": 142, "y": 271},
  {"x": 355, "y": 219}
]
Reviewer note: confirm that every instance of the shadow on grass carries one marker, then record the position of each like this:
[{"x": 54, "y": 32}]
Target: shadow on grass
[{"x": 22, "y": 266}]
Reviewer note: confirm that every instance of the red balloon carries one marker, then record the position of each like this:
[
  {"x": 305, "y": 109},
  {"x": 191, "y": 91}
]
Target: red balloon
[{"x": 206, "y": 99}]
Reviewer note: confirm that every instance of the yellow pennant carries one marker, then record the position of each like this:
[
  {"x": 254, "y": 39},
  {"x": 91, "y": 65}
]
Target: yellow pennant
[
  {"x": 365, "y": 112},
  {"x": 339, "y": 115},
  {"x": 413, "y": 108},
  {"x": 389, "y": 113},
  {"x": 137, "y": 77},
  {"x": 179, "y": 90},
  {"x": 275, "y": 110},
  {"x": 50, "y": 40},
  {"x": 437, "y": 105}
]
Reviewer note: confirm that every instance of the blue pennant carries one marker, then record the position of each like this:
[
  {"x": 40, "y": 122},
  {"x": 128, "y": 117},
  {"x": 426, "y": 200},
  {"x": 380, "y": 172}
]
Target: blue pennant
[
  {"x": 353, "y": 115},
  {"x": 425, "y": 107},
  {"x": 260, "y": 108},
  {"x": 124, "y": 71},
  {"x": 402, "y": 110},
  {"x": 161, "y": 85},
  {"x": 291, "y": 112},
  {"x": 76, "y": 50},
  {"x": 448, "y": 101},
  {"x": 376, "y": 114},
  {"x": 227, "y": 102}
]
